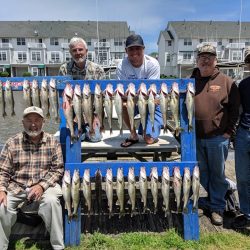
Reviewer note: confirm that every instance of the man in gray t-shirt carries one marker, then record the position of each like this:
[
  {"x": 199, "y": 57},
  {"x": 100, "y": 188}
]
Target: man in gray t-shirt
[{"x": 139, "y": 66}]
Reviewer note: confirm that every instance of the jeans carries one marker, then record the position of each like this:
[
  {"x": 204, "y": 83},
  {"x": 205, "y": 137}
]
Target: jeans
[
  {"x": 211, "y": 155},
  {"x": 242, "y": 168}
]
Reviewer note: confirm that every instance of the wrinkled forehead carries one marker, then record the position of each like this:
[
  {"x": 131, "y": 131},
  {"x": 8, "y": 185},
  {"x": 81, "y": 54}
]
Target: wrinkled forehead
[{"x": 77, "y": 44}]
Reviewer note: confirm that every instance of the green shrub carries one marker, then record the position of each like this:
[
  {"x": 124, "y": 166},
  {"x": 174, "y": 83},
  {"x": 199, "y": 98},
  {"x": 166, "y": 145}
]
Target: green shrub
[
  {"x": 4, "y": 74},
  {"x": 27, "y": 74}
]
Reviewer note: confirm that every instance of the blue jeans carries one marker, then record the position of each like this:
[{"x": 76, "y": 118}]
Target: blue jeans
[
  {"x": 211, "y": 155},
  {"x": 242, "y": 168}
]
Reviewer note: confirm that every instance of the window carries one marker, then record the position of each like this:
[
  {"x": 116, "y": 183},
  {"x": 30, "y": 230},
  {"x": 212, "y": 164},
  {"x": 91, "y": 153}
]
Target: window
[
  {"x": 187, "y": 41},
  {"x": 36, "y": 56},
  {"x": 117, "y": 42},
  {"x": 89, "y": 43},
  {"x": 5, "y": 40},
  {"x": 54, "y": 41},
  {"x": 187, "y": 55},
  {"x": 220, "y": 42},
  {"x": 20, "y": 41},
  {"x": 236, "y": 56},
  {"x": 55, "y": 56},
  {"x": 230, "y": 40},
  {"x": 22, "y": 56},
  {"x": 3, "y": 56},
  {"x": 67, "y": 56},
  {"x": 90, "y": 55},
  {"x": 34, "y": 71},
  {"x": 201, "y": 40},
  {"x": 118, "y": 55},
  {"x": 169, "y": 43},
  {"x": 167, "y": 58}
]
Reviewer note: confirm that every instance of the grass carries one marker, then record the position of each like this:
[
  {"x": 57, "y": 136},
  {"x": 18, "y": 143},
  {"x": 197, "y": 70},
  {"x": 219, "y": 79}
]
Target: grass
[{"x": 151, "y": 241}]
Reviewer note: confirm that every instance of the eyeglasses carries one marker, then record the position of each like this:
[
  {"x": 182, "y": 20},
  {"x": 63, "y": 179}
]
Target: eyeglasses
[{"x": 206, "y": 57}]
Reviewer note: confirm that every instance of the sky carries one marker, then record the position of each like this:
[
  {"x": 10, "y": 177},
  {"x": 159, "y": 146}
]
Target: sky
[{"x": 146, "y": 17}]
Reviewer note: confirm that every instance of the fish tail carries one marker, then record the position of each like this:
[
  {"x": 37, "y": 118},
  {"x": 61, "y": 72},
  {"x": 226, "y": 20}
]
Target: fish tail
[
  {"x": 111, "y": 131},
  {"x": 58, "y": 120},
  {"x": 4, "y": 114},
  {"x": 190, "y": 128},
  {"x": 185, "y": 210},
  {"x": 13, "y": 113},
  {"x": 121, "y": 131},
  {"x": 153, "y": 128}
]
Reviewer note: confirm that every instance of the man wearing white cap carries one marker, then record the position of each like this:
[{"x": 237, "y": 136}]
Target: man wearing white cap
[{"x": 31, "y": 165}]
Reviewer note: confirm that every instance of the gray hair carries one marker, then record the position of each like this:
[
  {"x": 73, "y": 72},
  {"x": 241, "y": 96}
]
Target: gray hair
[{"x": 75, "y": 40}]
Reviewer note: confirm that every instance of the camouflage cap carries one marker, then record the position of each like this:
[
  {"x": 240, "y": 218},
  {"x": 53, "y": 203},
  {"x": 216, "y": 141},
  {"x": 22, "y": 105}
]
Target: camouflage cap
[
  {"x": 247, "y": 55},
  {"x": 33, "y": 109},
  {"x": 207, "y": 49}
]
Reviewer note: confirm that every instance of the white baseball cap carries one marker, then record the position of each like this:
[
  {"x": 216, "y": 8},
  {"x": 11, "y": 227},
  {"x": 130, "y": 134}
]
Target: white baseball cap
[{"x": 33, "y": 109}]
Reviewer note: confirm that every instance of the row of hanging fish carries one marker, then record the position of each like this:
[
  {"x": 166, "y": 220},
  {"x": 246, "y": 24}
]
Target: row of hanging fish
[
  {"x": 182, "y": 188},
  {"x": 81, "y": 103},
  {"x": 44, "y": 97}
]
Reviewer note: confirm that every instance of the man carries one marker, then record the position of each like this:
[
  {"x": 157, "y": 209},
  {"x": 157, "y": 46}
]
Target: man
[
  {"x": 216, "y": 114},
  {"x": 242, "y": 150},
  {"x": 31, "y": 165},
  {"x": 139, "y": 66},
  {"x": 79, "y": 66}
]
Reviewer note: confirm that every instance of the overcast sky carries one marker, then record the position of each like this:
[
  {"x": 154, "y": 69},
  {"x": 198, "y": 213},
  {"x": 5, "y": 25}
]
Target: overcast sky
[{"x": 145, "y": 17}]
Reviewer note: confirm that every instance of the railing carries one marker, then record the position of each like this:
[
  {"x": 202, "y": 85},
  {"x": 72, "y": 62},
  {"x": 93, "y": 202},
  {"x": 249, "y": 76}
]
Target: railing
[
  {"x": 6, "y": 46},
  {"x": 235, "y": 46},
  {"x": 36, "y": 45},
  {"x": 65, "y": 45},
  {"x": 102, "y": 44}
]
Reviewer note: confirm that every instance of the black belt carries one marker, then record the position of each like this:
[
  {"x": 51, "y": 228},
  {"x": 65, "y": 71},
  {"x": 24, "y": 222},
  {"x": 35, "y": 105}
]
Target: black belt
[{"x": 245, "y": 127}]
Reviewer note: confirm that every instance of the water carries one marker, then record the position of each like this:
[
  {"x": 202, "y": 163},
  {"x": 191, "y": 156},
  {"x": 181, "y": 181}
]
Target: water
[{"x": 12, "y": 125}]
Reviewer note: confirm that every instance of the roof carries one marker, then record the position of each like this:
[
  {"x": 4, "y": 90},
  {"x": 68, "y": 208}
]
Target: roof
[
  {"x": 210, "y": 29},
  {"x": 64, "y": 29}
]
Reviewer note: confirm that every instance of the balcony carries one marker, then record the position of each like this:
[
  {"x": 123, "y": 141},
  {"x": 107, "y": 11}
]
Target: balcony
[
  {"x": 236, "y": 46},
  {"x": 57, "y": 61},
  {"x": 182, "y": 60},
  {"x": 36, "y": 46},
  {"x": 65, "y": 45},
  {"x": 6, "y": 46},
  {"x": 102, "y": 44}
]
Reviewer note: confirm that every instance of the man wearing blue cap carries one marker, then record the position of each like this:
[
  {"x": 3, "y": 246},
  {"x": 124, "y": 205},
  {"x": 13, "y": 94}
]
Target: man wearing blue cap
[{"x": 137, "y": 65}]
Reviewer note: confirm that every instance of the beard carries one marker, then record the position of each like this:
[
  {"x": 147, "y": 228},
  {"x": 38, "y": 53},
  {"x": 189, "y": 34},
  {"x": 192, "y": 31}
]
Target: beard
[
  {"x": 33, "y": 133},
  {"x": 79, "y": 60}
]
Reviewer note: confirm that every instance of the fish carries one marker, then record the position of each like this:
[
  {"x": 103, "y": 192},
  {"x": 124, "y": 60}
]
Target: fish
[
  {"x": 131, "y": 94},
  {"x": 75, "y": 192},
  {"x": 196, "y": 187},
  {"x": 131, "y": 189},
  {"x": 35, "y": 94},
  {"x": 86, "y": 189},
  {"x": 87, "y": 106},
  {"x": 165, "y": 189},
  {"x": 98, "y": 104},
  {"x": 164, "y": 104},
  {"x": 190, "y": 104},
  {"x": 9, "y": 99},
  {"x": 186, "y": 188},
  {"x": 177, "y": 183},
  {"x": 66, "y": 191},
  {"x": 151, "y": 104},
  {"x": 118, "y": 95},
  {"x": 142, "y": 105},
  {"x": 120, "y": 186},
  {"x": 108, "y": 104},
  {"x": 109, "y": 190},
  {"x": 2, "y": 100},
  {"x": 77, "y": 107},
  {"x": 68, "y": 110},
  {"x": 53, "y": 99},
  {"x": 174, "y": 106},
  {"x": 154, "y": 187},
  {"x": 143, "y": 185},
  {"x": 27, "y": 94},
  {"x": 98, "y": 189},
  {"x": 44, "y": 96}
]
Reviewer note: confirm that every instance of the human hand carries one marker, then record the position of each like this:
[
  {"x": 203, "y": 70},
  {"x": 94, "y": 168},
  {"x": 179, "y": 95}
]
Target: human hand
[
  {"x": 35, "y": 192},
  {"x": 3, "y": 198}
]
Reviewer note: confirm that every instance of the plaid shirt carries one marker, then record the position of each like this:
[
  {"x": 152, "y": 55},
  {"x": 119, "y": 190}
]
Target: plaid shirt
[{"x": 24, "y": 164}]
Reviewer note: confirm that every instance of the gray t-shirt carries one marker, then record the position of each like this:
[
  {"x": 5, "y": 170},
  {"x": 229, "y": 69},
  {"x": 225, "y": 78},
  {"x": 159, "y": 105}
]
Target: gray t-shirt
[{"x": 150, "y": 69}]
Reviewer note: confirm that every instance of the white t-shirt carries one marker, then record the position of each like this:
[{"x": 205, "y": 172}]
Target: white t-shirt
[{"x": 150, "y": 69}]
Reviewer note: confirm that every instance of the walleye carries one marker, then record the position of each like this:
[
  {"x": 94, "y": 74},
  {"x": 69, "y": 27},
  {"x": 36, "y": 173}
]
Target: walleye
[
  {"x": 66, "y": 191},
  {"x": 186, "y": 188},
  {"x": 177, "y": 182},
  {"x": 53, "y": 98},
  {"x": 143, "y": 184},
  {"x": 190, "y": 104},
  {"x": 108, "y": 104},
  {"x": 98, "y": 189},
  {"x": 98, "y": 104},
  {"x": 164, "y": 104},
  {"x": 27, "y": 94},
  {"x": 151, "y": 104},
  {"x": 77, "y": 106},
  {"x": 119, "y": 93},
  {"x": 86, "y": 189},
  {"x": 2, "y": 100},
  {"x": 35, "y": 94},
  {"x": 120, "y": 185},
  {"x": 165, "y": 189},
  {"x": 131, "y": 104},
  {"x": 142, "y": 105},
  {"x": 131, "y": 189},
  {"x": 87, "y": 106},
  {"x": 154, "y": 187},
  {"x": 9, "y": 99},
  {"x": 109, "y": 190},
  {"x": 68, "y": 110},
  {"x": 45, "y": 97},
  {"x": 75, "y": 192},
  {"x": 196, "y": 187},
  {"x": 174, "y": 106}
]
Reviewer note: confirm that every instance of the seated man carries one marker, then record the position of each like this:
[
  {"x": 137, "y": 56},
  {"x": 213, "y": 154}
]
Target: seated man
[{"x": 31, "y": 165}]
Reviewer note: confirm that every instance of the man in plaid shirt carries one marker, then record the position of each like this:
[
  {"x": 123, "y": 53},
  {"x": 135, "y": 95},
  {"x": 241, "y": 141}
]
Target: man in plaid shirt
[{"x": 31, "y": 165}]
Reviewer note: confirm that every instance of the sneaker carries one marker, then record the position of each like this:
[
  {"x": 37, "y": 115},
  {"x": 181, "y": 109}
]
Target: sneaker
[
  {"x": 216, "y": 218},
  {"x": 241, "y": 222}
]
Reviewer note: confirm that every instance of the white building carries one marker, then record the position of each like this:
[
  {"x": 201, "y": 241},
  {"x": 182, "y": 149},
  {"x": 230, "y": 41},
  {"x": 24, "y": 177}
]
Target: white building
[
  {"x": 40, "y": 47},
  {"x": 178, "y": 43}
]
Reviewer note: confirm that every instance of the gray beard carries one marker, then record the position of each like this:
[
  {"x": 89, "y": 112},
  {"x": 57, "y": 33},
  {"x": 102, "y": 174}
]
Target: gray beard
[{"x": 79, "y": 60}]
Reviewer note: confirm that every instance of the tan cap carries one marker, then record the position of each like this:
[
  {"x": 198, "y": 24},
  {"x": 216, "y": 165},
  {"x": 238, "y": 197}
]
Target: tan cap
[
  {"x": 33, "y": 109},
  {"x": 247, "y": 55},
  {"x": 207, "y": 49}
]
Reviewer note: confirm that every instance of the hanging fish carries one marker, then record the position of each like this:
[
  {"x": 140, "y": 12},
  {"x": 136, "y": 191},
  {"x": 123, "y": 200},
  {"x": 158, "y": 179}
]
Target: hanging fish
[
  {"x": 75, "y": 192},
  {"x": 2, "y": 100},
  {"x": 131, "y": 94},
  {"x": 44, "y": 94},
  {"x": 9, "y": 99},
  {"x": 108, "y": 104},
  {"x": 86, "y": 189},
  {"x": 186, "y": 188},
  {"x": 53, "y": 99},
  {"x": 120, "y": 185},
  {"x": 190, "y": 104},
  {"x": 174, "y": 106},
  {"x": 143, "y": 185},
  {"x": 27, "y": 93},
  {"x": 118, "y": 94},
  {"x": 165, "y": 189},
  {"x": 196, "y": 187},
  {"x": 66, "y": 191},
  {"x": 154, "y": 187},
  {"x": 164, "y": 104},
  {"x": 109, "y": 190},
  {"x": 35, "y": 94}
]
